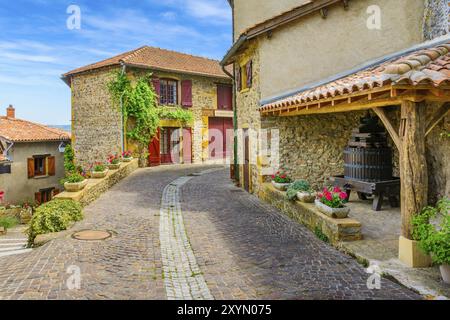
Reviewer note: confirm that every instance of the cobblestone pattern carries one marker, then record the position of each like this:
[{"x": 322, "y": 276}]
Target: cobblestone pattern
[
  {"x": 182, "y": 276},
  {"x": 248, "y": 250}
]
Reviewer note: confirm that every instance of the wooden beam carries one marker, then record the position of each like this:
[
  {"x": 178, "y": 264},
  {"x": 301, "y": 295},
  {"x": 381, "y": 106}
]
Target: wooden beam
[
  {"x": 437, "y": 117},
  {"x": 388, "y": 125},
  {"x": 413, "y": 163}
]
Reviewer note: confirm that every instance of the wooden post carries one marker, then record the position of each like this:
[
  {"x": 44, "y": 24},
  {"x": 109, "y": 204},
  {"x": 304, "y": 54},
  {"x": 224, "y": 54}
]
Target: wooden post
[{"x": 413, "y": 165}]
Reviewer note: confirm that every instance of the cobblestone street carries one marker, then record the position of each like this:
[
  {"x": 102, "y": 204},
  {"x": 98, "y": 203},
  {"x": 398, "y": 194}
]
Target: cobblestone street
[{"x": 180, "y": 235}]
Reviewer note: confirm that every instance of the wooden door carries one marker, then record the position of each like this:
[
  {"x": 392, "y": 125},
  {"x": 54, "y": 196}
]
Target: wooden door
[
  {"x": 187, "y": 145},
  {"x": 155, "y": 150},
  {"x": 246, "y": 161},
  {"x": 219, "y": 128},
  {"x": 170, "y": 145}
]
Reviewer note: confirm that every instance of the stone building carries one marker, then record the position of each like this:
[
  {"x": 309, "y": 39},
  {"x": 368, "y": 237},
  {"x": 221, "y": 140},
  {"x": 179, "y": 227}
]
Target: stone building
[
  {"x": 194, "y": 83},
  {"x": 312, "y": 69},
  {"x": 31, "y": 160}
]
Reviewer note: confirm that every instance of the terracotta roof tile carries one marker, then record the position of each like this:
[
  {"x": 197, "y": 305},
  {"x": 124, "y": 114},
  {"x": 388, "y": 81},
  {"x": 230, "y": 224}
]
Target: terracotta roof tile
[
  {"x": 151, "y": 57},
  {"x": 423, "y": 67},
  {"x": 25, "y": 131}
]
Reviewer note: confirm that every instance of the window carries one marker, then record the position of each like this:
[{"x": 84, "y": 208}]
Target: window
[
  {"x": 40, "y": 169},
  {"x": 45, "y": 195},
  {"x": 168, "y": 91},
  {"x": 41, "y": 166},
  {"x": 244, "y": 76},
  {"x": 224, "y": 97}
]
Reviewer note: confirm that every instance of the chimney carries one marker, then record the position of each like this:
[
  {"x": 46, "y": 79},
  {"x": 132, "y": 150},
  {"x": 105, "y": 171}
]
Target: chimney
[{"x": 11, "y": 112}]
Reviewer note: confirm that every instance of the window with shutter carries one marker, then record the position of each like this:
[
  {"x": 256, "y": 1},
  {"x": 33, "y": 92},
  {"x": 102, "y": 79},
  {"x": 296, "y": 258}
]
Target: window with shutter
[
  {"x": 30, "y": 163},
  {"x": 168, "y": 92},
  {"x": 224, "y": 97},
  {"x": 249, "y": 73},
  {"x": 186, "y": 93},
  {"x": 156, "y": 86}
]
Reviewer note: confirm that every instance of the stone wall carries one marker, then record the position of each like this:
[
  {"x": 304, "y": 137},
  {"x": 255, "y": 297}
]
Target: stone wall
[
  {"x": 436, "y": 19},
  {"x": 96, "y": 120}
]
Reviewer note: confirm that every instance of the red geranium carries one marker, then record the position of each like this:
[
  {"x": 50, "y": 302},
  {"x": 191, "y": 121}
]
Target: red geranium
[
  {"x": 2, "y": 195},
  {"x": 334, "y": 198}
]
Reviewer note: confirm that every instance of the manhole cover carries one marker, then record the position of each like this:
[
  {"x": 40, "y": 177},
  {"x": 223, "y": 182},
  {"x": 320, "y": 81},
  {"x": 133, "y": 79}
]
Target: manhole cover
[{"x": 92, "y": 235}]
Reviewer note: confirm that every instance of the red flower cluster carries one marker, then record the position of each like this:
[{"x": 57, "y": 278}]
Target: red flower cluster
[
  {"x": 126, "y": 154},
  {"x": 334, "y": 198},
  {"x": 2, "y": 195},
  {"x": 281, "y": 177},
  {"x": 113, "y": 159}
]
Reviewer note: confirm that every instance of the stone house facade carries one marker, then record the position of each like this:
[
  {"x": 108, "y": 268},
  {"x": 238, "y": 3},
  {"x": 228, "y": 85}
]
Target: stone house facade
[
  {"x": 33, "y": 160},
  {"x": 282, "y": 64},
  {"x": 194, "y": 83}
]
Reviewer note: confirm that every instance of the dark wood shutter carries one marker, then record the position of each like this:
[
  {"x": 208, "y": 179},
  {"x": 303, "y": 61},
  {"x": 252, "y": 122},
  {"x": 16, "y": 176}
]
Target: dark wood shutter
[
  {"x": 157, "y": 87},
  {"x": 30, "y": 162},
  {"x": 186, "y": 93},
  {"x": 249, "y": 69},
  {"x": 224, "y": 97},
  {"x": 38, "y": 198},
  {"x": 51, "y": 163},
  {"x": 238, "y": 78}
]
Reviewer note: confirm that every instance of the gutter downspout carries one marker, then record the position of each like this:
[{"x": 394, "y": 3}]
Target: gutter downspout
[
  {"x": 235, "y": 125},
  {"x": 122, "y": 119}
]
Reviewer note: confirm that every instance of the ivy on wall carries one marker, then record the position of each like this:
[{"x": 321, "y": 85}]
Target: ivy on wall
[{"x": 141, "y": 111}]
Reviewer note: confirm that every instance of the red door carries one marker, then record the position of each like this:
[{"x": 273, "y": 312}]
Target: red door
[
  {"x": 219, "y": 128},
  {"x": 155, "y": 150},
  {"x": 187, "y": 145},
  {"x": 170, "y": 145}
]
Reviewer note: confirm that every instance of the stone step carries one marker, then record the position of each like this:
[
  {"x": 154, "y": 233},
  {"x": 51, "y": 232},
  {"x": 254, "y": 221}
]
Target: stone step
[
  {"x": 15, "y": 252},
  {"x": 12, "y": 248}
]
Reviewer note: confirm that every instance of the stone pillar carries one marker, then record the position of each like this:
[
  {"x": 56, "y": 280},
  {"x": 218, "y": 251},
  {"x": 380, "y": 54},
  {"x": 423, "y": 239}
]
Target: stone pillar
[{"x": 436, "y": 19}]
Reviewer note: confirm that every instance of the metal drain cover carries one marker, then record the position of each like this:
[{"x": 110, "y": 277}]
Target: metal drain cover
[{"x": 92, "y": 235}]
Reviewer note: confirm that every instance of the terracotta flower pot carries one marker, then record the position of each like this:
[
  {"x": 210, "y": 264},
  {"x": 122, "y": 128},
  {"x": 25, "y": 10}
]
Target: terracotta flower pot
[
  {"x": 99, "y": 175},
  {"x": 127, "y": 159},
  {"x": 75, "y": 187},
  {"x": 281, "y": 186},
  {"x": 307, "y": 197},
  {"x": 339, "y": 213},
  {"x": 445, "y": 273},
  {"x": 114, "y": 166}
]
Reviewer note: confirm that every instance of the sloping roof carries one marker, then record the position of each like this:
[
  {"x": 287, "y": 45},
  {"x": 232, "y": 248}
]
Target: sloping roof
[
  {"x": 426, "y": 67},
  {"x": 17, "y": 130},
  {"x": 161, "y": 59}
]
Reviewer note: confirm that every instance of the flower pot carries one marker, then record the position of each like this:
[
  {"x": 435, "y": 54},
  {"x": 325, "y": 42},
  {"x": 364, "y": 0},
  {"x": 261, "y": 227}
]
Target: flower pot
[
  {"x": 339, "y": 213},
  {"x": 75, "y": 187},
  {"x": 445, "y": 272},
  {"x": 99, "y": 175},
  {"x": 307, "y": 197},
  {"x": 281, "y": 186},
  {"x": 25, "y": 215},
  {"x": 127, "y": 159},
  {"x": 114, "y": 166}
]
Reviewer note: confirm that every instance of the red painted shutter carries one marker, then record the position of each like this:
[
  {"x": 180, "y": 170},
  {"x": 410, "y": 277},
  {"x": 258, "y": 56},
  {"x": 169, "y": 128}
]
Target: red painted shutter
[
  {"x": 186, "y": 93},
  {"x": 38, "y": 198},
  {"x": 220, "y": 101},
  {"x": 228, "y": 97},
  {"x": 156, "y": 86},
  {"x": 238, "y": 78},
  {"x": 249, "y": 68}
]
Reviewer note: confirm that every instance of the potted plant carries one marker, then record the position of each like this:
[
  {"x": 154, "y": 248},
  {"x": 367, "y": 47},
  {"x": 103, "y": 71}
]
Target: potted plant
[
  {"x": 27, "y": 212},
  {"x": 302, "y": 191},
  {"x": 127, "y": 156},
  {"x": 332, "y": 203},
  {"x": 281, "y": 181},
  {"x": 113, "y": 162},
  {"x": 74, "y": 182},
  {"x": 431, "y": 228},
  {"x": 99, "y": 171}
]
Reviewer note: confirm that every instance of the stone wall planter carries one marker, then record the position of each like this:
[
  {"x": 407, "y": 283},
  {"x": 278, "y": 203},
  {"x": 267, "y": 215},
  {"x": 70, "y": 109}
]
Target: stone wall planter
[
  {"x": 281, "y": 186},
  {"x": 339, "y": 213},
  {"x": 75, "y": 187},
  {"x": 307, "y": 197},
  {"x": 99, "y": 175},
  {"x": 445, "y": 272},
  {"x": 127, "y": 159},
  {"x": 114, "y": 166}
]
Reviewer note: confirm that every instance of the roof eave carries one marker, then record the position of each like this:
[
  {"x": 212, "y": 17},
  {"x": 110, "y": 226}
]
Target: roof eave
[
  {"x": 133, "y": 65},
  {"x": 227, "y": 59}
]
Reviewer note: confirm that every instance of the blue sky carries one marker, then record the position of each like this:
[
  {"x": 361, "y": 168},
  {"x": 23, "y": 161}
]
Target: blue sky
[{"x": 36, "y": 46}]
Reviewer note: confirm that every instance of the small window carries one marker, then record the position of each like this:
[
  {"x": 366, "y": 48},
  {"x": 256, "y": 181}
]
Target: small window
[
  {"x": 245, "y": 76},
  {"x": 45, "y": 195},
  {"x": 40, "y": 168},
  {"x": 168, "y": 92}
]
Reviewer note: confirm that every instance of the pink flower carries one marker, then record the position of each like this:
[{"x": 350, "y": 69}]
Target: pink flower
[
  {"x": 328, "y": 196},
  {"x": 273, "y": 176},
  {"x": 2, "y": 194},
  {"x": 320, "y": 195},
  {"x": 283, "y": 176},
  {"x": 337, "y": 190},
  {"x": 343, "y": 196}
]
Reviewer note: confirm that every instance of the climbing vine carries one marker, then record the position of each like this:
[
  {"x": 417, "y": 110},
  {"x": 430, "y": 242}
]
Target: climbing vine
[{"x": 140, "y": 109}]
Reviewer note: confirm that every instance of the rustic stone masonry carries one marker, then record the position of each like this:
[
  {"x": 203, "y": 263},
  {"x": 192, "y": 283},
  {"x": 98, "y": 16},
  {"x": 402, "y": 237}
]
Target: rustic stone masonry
[{"x": 436, "y": 19}]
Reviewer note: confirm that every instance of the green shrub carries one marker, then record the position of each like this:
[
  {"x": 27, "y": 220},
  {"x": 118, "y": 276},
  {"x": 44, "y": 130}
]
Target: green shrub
[
  {"x": 297, "y": 186},
  {"x": 8, "y": 222},
  {"x": 431, "y": 227},
  {"x": 53, "y": 216}
]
